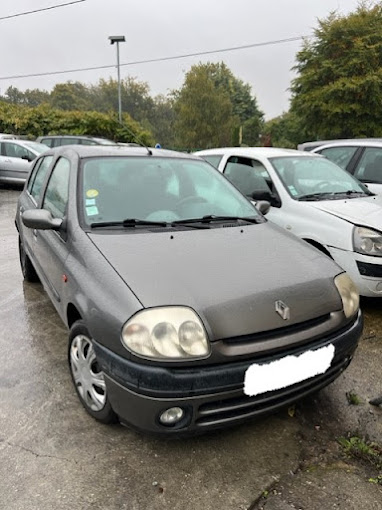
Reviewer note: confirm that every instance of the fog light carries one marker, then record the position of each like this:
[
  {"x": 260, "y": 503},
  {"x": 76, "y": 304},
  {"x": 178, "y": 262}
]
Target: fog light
[{"x": 171, "y": 416}]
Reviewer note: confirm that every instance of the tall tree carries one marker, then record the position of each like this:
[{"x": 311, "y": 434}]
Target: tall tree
[
  {"x": 70, "y": 96},
  {"x": 204, "y": 112},
  {"x": 208, "y": 89},
  {"x": 13, "y": 95},
  {"x": 284, "y": 131},
  {"x": 338, "y": 90}
]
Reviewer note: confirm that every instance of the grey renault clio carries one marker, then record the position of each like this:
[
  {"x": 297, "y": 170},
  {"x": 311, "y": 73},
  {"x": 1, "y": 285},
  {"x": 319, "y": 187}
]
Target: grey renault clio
[{"x": 187, "y": 310}]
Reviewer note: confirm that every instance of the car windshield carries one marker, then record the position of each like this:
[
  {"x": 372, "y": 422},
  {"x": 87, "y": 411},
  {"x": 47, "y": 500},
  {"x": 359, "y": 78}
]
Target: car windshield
[
  {"x": 162, "y": 190},
  {"x": 316, "y": 178},
  {"x": 37, "y": 147}
]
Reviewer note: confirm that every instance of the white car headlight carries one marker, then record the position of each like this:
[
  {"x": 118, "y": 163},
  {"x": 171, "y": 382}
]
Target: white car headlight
[
  {"x": 367, "y": 241},
  {"x": 172, "y": 332},
  {"x": 349, "y": 294}
]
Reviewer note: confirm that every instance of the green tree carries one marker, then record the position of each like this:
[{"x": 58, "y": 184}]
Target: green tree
[
  {"x": 13, "y": 95},
  {"x": 204, "y": 112},
  {"x": 338, "y": 90},
  {"x": 208, "y": 89},
  {"x": 161, "y": 119},
  {"x": 285, "y": 131},
  {"x": 70, "y": 96},
  {"x": 135, "y": 97},
  {"x": 244, "y": 106},
  {"x": 35, "y": 97}
]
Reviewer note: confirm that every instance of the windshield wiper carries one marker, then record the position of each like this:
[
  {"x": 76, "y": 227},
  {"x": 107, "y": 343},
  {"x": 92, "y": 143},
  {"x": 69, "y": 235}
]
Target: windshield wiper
[
  {"x": 129, "y": 222},
  {"x": 212, "y": 218},
  {"x": 352, "y": 193},
  {"x": 314, "y": 196}
]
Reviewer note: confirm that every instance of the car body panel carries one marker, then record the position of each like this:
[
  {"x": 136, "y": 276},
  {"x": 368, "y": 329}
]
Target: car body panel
[{"x": 224, "y": 298}]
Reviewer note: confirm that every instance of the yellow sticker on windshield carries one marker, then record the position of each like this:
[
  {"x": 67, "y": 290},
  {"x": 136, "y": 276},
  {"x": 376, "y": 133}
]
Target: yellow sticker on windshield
[{"x": 92, "y": 193}]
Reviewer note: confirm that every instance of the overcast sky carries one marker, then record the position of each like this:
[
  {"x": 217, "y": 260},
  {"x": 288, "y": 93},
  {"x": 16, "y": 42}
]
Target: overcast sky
[{"x": 76, "y": 36}]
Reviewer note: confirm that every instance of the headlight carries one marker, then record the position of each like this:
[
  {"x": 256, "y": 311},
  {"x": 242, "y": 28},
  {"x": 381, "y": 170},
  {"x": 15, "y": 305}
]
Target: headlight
[
  {"x": 367, "y": 241},
  {"x": 349, "y": 294},
  {"x": 172, "y": 332}
]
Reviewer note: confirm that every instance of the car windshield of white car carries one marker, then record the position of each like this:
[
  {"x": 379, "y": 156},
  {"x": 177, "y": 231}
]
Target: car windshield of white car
[
  {"x": 316, "y": 178},
  {"x": 138, "y": 192}
]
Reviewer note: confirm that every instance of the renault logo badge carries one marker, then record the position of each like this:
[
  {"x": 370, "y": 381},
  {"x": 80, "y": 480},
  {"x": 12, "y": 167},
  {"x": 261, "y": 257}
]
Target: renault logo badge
[{"x": 283, "y": 310}]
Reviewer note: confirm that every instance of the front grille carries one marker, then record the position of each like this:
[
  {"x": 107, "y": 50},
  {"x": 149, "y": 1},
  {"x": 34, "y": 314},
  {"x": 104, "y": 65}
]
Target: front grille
[
  {"x": 236, "y": 409},
  {"x": 279, "y": 332},
  {"x": 373, "y": 270}
]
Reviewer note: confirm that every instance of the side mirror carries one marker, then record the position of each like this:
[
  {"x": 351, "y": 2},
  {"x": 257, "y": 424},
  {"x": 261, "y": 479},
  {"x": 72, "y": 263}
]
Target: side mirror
[
  {"x": 40, "y": 219},
  {"x": 266, "y": 196},
  {"x": 27, "y": 158},
  {"x": 263, "y": 206}
]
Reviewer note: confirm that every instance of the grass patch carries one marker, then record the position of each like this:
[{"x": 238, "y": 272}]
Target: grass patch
[
  {"x": 368, "y": 452},
  {"x": 353, "y": 399}
]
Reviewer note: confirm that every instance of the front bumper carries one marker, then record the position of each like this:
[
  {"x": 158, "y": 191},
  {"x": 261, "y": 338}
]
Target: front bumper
[
  {"x": 364, "y": 270},
  {"x": 211, "y": 396}
]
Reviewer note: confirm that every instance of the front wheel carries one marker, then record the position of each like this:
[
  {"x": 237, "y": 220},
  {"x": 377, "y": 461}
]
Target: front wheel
[{"x": 87, "y": 376}]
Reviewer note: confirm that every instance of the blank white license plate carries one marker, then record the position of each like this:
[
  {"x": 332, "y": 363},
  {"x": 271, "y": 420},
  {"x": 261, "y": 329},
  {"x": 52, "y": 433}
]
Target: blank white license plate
[{"x": 287, "y": 371}]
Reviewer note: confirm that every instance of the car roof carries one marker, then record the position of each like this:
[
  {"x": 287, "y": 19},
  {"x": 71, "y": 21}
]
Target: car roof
[
  {"x": 17, "y": 141},
  {"x": 73, "y": 136},
  {"x": 90, "y": 151},
  {"x": 359, "y": 143},
  {"x": 266, "y": 152},
  {"x": 7, "y": 136}
]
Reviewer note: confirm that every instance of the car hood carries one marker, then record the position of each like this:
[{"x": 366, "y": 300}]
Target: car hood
[
  {"x": 232, "y": 277},
  {"x": 360, "y": 211}
]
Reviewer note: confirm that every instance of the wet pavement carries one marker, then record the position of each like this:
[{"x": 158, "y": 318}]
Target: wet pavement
[{"x": 53, "y": 455}]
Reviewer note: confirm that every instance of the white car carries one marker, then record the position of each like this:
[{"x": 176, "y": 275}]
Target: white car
[
  {"x": 316, "y": 200},
  {"x": 16, "y": 157},
  {"x": 362, "y": 158}
]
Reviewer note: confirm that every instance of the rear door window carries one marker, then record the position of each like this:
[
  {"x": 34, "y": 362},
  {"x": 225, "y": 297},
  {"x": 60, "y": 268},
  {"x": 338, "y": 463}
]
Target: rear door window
[
  {"x": 369, "y": 168},
  {"x": 47, "y": 141},
  {"x": 339, "y": 155}
]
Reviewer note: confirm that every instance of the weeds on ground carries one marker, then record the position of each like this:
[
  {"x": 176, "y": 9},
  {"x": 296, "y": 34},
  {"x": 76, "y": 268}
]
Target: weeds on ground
[
  {"x": 353, "y": 399},
  {"x": 366, "y": 451}
]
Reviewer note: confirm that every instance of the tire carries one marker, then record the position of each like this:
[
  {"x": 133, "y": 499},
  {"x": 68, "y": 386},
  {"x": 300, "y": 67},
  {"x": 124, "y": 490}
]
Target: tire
[
  {"x": 87, "y": 377},
  {"x": 27, "y": 268}
]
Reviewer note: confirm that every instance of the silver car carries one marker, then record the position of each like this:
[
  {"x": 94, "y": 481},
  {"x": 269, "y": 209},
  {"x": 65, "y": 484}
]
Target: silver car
[
  {"x": 187, "y": 310},
  {"x": 16, "y": 157}
]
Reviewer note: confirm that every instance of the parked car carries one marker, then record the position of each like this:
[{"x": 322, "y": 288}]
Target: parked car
[
  {"x": 362, "y": 158},
  {"x": 311, "y": 146},
  {"x": 187, "y": 309},
  {"x": 316, "y": 200},
  {"x": 59, "y": 140},
  {"x": 7, "y": 136},
  {"x": 16, "y": 157}
]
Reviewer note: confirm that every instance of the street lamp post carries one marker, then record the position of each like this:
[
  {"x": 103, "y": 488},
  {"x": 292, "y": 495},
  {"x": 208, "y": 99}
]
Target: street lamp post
[{"x": 117, "y": 39}]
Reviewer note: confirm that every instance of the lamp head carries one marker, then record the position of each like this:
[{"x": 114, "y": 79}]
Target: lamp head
[{"x": 117, "y": 39}]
